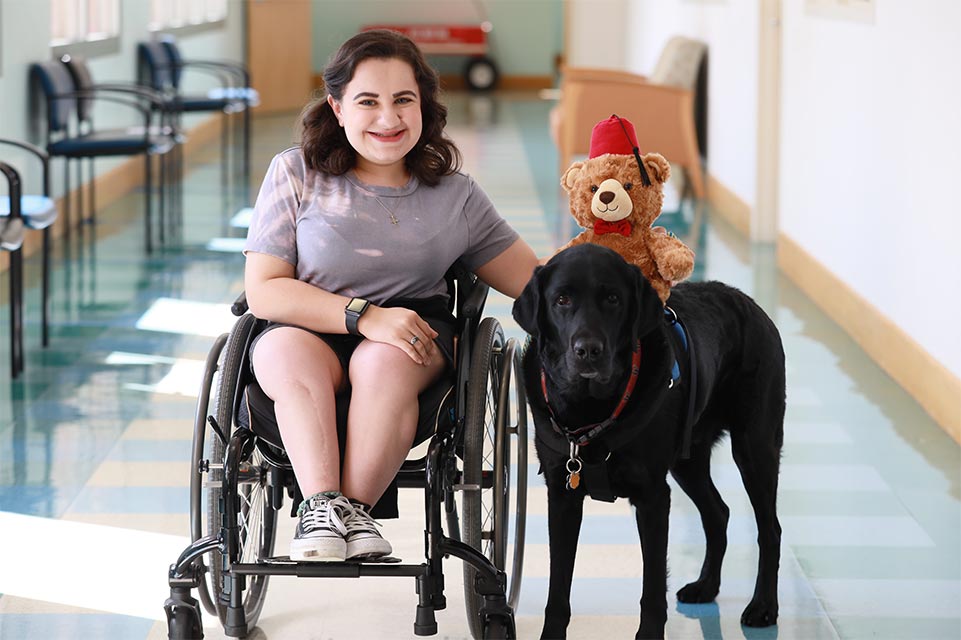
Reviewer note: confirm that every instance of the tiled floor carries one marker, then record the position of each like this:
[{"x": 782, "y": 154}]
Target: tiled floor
[{"x": 94, "y": 443}]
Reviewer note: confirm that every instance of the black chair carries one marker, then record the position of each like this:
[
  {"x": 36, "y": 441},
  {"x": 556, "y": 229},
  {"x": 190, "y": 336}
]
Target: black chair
[
  {"x": 239, "y": 88},
  {"x": 65, "y": 139},
  {"x": 158, "y": 69},
  {"x": 33, "y": 212},
  {"x": 171, "y": 166}
]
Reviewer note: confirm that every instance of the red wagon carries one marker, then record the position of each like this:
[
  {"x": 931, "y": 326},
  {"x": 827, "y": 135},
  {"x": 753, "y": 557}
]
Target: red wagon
[{"x": 480, "y": 72}]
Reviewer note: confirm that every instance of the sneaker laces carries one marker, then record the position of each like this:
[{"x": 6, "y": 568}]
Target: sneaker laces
[
  {"x": 325, "y": 513},
  {"x": 361, "y": 522}
]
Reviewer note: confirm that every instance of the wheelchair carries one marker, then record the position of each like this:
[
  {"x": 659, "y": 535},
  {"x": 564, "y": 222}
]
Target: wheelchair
[{"x": 474, "y": 425}]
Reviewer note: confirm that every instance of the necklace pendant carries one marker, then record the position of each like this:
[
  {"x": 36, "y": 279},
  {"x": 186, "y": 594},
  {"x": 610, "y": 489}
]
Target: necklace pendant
[{"x": 393, "y": 220}]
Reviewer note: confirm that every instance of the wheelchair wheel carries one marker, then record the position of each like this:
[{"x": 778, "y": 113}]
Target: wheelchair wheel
[
  {"x": 491, "y": 419},
  {"x": 257, "y": 521}
]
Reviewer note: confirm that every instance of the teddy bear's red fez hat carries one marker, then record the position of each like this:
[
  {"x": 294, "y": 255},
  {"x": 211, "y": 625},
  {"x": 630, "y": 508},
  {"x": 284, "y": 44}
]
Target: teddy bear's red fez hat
[{"x": 615, "y": 135}]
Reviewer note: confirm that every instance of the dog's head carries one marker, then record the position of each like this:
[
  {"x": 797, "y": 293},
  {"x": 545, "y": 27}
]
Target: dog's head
[{"x": 585, "y": 308}]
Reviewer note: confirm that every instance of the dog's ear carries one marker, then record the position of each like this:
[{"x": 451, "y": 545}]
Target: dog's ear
[
  {"x": 649, "y": 309},
  {"x": 527, "y": 307}
]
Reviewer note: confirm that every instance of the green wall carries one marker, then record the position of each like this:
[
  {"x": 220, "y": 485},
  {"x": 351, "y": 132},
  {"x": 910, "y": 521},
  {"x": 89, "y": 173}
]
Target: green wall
[{"x": 527, "y": 34}]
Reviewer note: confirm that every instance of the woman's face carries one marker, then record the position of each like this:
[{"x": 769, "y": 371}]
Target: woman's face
[{"x": 380, "y": 113}]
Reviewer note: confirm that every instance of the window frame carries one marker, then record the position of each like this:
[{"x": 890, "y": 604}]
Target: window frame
[
  {"x": 91, "y": 47},
  {"x": 207, "y": 24}
]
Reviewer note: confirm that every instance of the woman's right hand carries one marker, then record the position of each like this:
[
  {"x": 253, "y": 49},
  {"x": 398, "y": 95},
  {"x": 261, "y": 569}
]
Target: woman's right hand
[{"x": 400, "y": 327}]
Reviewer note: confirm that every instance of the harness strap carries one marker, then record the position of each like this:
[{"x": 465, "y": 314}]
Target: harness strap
[{"x": 687, "y": 427}]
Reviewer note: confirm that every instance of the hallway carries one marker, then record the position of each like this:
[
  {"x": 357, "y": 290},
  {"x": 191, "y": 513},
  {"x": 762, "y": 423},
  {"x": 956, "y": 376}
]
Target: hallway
[{"x": 95, "y": 443}]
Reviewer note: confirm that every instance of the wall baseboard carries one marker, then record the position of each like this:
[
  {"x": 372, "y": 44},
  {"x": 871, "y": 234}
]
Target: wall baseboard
[
  {"x": 729, "y": 205},
  {"x": 935, "y": 388}
]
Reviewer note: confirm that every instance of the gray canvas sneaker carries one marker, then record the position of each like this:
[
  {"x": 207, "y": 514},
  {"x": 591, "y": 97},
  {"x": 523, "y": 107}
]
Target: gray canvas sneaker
[
  {"x": 363, "y": 538},
  {"x": 320, "y": 535}
]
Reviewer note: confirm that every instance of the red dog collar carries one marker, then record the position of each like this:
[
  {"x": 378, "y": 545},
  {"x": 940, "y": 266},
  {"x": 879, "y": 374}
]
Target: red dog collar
[{"x": 584, "y": 435}]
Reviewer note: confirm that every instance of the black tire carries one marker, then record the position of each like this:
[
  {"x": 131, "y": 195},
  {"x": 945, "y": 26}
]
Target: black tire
[
  {"x": 496, "y": 628},
  {"x": 198, "y": 468},
  {"x": 258, "y": 523},
  {"x": 481, "y": 74},
  {"x": 512, "y": 420},
  {"x": 487, "y": 463}
]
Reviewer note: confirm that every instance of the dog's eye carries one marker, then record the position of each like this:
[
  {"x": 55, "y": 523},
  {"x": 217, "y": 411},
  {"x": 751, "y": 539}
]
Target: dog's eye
[
  {"x": 593, "y": 188},
  {"x": 562, "y": 300},
  {"x": 627, "y": 186},
  {"x": 613, "y": 298}
]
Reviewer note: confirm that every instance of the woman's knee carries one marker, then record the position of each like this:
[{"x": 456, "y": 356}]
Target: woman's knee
[
  {"x": 289, "y": 359},
  {"x": 386, "y": 368}
]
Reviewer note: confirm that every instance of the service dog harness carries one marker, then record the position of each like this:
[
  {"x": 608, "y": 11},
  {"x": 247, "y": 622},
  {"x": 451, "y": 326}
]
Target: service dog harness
[{"x": 597, "y": 480}]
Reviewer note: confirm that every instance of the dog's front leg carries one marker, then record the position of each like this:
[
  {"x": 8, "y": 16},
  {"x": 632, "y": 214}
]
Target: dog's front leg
[
  {"x": 565, "y": 509},
  {"x": 651, "y": 513}
]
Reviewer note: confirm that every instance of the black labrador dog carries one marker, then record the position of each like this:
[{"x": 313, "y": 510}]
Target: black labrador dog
[{"x": 624, "y": 391}]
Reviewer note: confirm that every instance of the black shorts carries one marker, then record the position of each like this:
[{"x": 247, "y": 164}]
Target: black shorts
[{"x": 434, "y": 310}]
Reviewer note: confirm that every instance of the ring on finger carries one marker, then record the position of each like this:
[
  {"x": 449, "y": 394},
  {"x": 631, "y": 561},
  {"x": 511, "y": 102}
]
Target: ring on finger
[{"x": 414, "y": 340}]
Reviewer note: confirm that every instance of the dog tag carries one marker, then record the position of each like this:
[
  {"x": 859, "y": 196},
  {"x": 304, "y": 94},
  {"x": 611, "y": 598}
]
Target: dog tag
[{"x": 573, "y": 468}]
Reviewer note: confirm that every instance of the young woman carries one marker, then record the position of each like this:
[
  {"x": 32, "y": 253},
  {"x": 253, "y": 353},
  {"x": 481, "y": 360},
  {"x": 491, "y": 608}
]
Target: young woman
[{"x": 351, "y": 236}]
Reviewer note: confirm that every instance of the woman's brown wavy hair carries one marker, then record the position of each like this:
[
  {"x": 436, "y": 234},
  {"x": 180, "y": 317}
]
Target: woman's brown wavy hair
[{"x": 323, "y": 141}]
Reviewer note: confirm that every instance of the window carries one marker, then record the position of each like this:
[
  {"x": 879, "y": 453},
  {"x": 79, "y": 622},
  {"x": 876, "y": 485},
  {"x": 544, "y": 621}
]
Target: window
[
  {"x": 76, "y": 21},
  {"x": 857, "y": 10},
  {"x": 168, "y": 15}
]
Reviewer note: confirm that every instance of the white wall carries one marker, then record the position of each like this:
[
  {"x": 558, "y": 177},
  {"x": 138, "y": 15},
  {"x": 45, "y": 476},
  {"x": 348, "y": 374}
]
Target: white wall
[
  {"x": 871, "y": 159},
  {"x": 730, "y": 30},
  {"x": 596, "y": 33}
]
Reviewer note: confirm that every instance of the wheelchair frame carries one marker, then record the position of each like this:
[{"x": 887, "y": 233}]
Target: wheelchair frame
[{"x": 488, "y": 369}]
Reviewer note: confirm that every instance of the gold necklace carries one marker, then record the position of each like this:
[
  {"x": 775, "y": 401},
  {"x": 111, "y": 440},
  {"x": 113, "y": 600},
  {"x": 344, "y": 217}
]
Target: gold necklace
[{"x": 393, "y": 218}]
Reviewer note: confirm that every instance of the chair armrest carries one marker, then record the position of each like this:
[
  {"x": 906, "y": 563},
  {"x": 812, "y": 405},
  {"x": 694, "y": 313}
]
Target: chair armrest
[
  {"x": 474, "y": 303},
  {"x": 229, "y": 66},
  {"x": 41, "y": 155},
  {"x": 221, "y": 74},
  {"x": 15, "y": 189}
]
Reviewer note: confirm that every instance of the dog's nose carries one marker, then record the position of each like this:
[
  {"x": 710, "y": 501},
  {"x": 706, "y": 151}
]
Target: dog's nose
[
  {"x": 588, "y": 349},
  {"x": 606, "y": 196}
]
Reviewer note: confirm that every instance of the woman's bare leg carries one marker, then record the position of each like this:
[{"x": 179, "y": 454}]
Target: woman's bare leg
[
  {"x": 300, "y": 373},
  {"x": 383, "y": 415}
]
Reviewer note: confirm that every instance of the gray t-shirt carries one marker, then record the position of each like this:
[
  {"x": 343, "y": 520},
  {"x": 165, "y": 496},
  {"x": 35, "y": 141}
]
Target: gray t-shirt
[{"x": 338, "y": 232}]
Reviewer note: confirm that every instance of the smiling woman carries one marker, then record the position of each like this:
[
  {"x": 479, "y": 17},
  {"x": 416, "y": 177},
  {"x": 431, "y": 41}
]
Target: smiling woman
[{"x": 351, "y": 237}]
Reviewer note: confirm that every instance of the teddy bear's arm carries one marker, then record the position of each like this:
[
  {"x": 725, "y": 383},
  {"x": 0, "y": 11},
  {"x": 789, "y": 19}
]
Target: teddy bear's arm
[{"x": 674, "y": 259}]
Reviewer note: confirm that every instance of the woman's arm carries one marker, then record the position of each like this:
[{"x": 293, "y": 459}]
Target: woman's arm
[
  {"x": 273, "y": 293},
  {"x": 510, "y": 270}
]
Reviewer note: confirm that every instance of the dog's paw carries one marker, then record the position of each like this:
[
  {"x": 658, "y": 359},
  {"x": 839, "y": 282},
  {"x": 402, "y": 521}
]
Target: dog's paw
[
  {"x": 698, "y": 592},
  {"x": 759, "y": 614},
  {"x": 553, "y": 632},
  {"x": 650, "y": 632}
]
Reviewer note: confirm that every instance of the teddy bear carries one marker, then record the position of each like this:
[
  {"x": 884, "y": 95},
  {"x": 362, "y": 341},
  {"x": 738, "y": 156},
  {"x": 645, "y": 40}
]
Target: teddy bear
[{"x": 616, "y": 194}]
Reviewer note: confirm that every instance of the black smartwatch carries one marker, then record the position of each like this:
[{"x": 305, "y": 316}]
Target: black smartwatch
[{"x": 352, "y": 313}]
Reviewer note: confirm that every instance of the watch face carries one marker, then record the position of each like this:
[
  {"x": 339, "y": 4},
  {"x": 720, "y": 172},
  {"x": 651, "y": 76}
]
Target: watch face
[{"x": 357, "y": 305}]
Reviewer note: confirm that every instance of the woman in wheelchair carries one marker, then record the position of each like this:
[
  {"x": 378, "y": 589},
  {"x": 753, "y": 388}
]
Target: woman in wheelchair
[{"x": 351, "y": 236}]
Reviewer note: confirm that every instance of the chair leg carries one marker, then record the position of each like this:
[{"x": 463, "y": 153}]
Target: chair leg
[
  {"x": 162, "y": 196},
  {"x": 79, "y": 194},
  {"x": 225, "y": 159},
  {"x": 93, "y": 198},
  {"x": 66, "y": 197},
  {"x": 246, "y": 168},
  {"x": 148, "y": 188},
  {"x": 16, "y": 313},
  {"x": 45, "y": 290}
]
